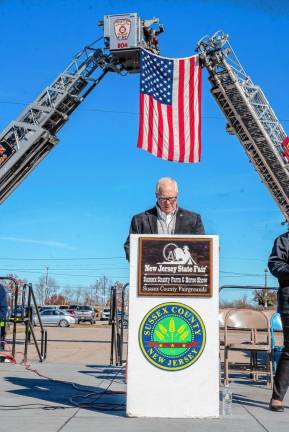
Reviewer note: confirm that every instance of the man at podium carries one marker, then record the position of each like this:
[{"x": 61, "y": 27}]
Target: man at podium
[{"x": 166, "y": 217}]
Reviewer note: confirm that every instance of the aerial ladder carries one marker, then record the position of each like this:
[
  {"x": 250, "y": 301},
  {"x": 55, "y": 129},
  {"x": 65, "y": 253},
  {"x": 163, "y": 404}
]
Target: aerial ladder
[
  {"x": 249, "y": 115},
  {"x": 28, "y": 139}
]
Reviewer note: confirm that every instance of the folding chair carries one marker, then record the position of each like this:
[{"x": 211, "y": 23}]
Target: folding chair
[
  {"x": 222, "y": 315},
  {"x": 248, "y": 330}
]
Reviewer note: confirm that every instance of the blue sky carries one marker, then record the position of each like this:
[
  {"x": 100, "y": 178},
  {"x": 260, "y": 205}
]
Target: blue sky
[{"x": 77, "y": 204}]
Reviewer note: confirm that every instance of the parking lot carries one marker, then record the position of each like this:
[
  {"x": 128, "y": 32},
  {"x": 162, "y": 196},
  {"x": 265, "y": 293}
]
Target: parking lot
[{"x": 83, "y": 343}]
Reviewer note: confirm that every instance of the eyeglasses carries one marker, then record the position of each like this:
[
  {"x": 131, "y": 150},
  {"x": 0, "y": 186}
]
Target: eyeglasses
[{"x": 164, "y": 199}]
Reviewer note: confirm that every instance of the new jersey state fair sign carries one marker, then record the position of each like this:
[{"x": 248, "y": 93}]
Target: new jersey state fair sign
[{"x": 172, "y": 266}]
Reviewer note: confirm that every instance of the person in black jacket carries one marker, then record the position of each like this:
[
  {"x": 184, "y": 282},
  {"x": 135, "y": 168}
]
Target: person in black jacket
[
  {"x": 166, "y": 217},
  {"x": 3, "y": 314},
  {"x": 279, "y": 267}
]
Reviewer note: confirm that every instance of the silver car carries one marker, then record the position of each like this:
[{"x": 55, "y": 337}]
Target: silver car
[{"x": 55, "y": 317}]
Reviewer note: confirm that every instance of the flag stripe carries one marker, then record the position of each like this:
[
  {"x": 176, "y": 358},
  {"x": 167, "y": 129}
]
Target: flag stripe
[
  {"x": 175, "y": 112},
  {"x": 165, "y": 154},
  {"x": 160, "y": 130},
  {"x": 145, "y": 122},
  {"x": 192, "y": 121},
  {"x": 199, "y": 111},
  {"x": 187, "y": 132},
  {"x": 181, "y": 110},
  {"x": 155, "y": 127},
  {"x": 150, "y": 123},
  {"x": 196, "y": 115},
  {"x": 141, "y": 121},
  {"x": 171, "y": 133}
]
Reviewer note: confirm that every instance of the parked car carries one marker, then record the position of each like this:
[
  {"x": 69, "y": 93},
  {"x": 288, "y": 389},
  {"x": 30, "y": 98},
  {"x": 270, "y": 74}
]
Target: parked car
[
  {"x": 85, "y": 313},
  {"x": 105, "y": 314},
  {"x": 21, "y": 312},
  {"x": 82, "y": 313},
  {"x": 55, "y": 317},
  {"x": 72, "y": 310}
]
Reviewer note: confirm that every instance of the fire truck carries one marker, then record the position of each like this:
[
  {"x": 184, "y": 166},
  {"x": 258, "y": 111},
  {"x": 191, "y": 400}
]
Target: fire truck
[{"x": 29, "y": 138}]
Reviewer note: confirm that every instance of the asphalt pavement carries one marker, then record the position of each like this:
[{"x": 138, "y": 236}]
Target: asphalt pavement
[{"x": 88, "y": 394}]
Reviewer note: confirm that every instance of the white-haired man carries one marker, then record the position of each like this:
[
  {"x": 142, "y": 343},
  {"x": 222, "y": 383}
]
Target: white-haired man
[{"x": 166, "y": 217}]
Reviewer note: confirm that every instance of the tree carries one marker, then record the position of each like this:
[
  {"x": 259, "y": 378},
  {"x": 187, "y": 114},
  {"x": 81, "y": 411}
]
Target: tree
[
  {"x": 265, "y": 297},
  {"x": 55, "y": 299},
  {"x": 241, "y": 303},
  {"x": 102, "y": 288},
  {"x": 67, "y": 292},
  {"x": 20, "y": 282},
  {"x": 45, "y": 288}
]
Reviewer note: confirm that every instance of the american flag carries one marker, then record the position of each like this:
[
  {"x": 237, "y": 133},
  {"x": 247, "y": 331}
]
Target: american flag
[{"x": 170, "y": 107}]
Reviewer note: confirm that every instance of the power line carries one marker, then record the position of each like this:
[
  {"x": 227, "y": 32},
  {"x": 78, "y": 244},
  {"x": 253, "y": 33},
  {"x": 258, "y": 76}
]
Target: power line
[
  {"x": 8, "y": 102},
  {"x": 109, "y": 269},
  {"x": 105, "y": 258},
  {"x": 65, "y": 269},
  {"x": 242, "y": 259},
  {"x": 69, "y": 274},
  {"x": 247, "y": 275},
  {"x": 62, "y": 259},
  {"x": 243, "y": 274}
]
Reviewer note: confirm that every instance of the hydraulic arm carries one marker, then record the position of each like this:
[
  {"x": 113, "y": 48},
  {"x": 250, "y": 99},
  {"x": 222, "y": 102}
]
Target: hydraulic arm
[
  {"x": 31, "y": 136},
  {"x": 25, "y": 141},
  {"x": 249, "y": 115}
]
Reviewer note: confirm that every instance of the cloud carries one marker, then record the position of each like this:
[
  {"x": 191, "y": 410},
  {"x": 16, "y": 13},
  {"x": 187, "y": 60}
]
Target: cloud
[{"x": 39, "y": 242}]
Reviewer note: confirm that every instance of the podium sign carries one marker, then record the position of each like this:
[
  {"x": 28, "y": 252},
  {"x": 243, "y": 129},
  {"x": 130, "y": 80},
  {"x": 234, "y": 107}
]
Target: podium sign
[
  {"x": 181, "y": 267},
  {"x": 173, "y": 344}
]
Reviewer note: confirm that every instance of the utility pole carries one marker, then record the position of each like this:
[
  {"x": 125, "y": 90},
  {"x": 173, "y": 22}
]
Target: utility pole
[
  {"x": 266, "y": 289},
  {"x": 96, "y": 293},
  {"x": 46, "y": 285},
  {"x": 103, "y": 290}
]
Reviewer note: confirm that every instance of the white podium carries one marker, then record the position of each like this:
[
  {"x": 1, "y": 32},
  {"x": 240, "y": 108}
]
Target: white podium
[{"x": 173, "y": 335}]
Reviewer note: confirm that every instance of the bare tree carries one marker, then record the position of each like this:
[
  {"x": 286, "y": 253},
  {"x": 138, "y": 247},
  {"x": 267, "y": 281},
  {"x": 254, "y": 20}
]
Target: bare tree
[
  {"x": 77, "y": 295},
  {"x": 68, "y": 293},
  {"x": 241, "y": 303},
  {"x": 45, "y": 288}
]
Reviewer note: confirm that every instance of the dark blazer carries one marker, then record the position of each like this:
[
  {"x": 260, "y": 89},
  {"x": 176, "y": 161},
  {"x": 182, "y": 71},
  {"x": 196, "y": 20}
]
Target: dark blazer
[
  {"x": 146, "y": 223},
  {"x": 3, "y": 303},
  {"x": 279, "y": 267}
]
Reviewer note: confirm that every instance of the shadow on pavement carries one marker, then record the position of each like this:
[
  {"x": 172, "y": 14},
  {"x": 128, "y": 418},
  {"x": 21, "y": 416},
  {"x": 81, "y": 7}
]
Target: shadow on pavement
[
  {"x": 244, "y": 400},
  {"x": 105, "y": 373},
  {"x": 70, "y": 394}
]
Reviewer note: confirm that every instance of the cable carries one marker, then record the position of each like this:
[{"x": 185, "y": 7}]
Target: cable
[
  {"x": 87, "y": 404},
  {"x": 33, "y": 406},
  {"x": 104, "y": 407},
  {"x": 212, "y": 117}
]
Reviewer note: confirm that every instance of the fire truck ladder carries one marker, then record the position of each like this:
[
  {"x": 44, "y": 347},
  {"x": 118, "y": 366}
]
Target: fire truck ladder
[
  {"x": 25, "y": 141},
  {"x": 32, "y": 135},
  {"x": 249, "y": 115}
]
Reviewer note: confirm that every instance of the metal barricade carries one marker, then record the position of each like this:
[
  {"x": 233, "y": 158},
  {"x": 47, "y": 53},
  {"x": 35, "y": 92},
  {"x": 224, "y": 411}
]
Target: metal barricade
[
  {"x": 23, "y": 304},
  {"x": 117, "y": 321}
]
